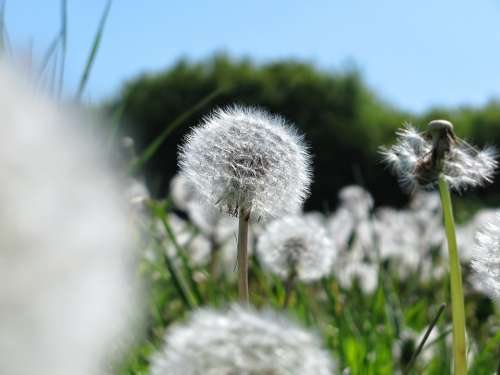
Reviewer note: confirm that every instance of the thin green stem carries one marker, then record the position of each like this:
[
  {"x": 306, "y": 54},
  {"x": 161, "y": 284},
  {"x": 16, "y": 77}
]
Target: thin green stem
[
  {"x": 424, "y": 340},
  {"x": 289, "y": 287},
  {"x": 243, "y": 255},
  {"x": 214, "y": 258},
  {"x": 457, "y": 295}
]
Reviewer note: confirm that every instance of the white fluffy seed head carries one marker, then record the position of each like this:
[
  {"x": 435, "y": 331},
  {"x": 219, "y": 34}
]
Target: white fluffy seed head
[
  {"x": 296, "y": 244},
  {"x": 357, "y": 200},
  {"x": 464, "y": 166},
  {"x": 244, "y": 158},
  {"x": 66, "y": 268},
  {"x": 241, "y": 341},
  {"x": 181, "y": 191},
  {"x": 486, "y": 257}
]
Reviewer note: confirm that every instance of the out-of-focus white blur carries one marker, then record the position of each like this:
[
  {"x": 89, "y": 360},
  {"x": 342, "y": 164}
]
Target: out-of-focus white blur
[{"x": 67, "y": 287}]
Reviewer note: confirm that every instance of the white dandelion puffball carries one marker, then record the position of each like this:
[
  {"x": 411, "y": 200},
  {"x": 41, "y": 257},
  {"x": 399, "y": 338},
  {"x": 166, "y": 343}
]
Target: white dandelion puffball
[
  {"x": 66, "y": 267},
  {"x": 296, "y": 244},
  {"x": 486, "y": 257},
  {"x": 181, "y": 191},
  {"x": 247, "y": 159},
  {"x": 241, "y": 341},
  {"x": 366, "y": 274},
  {"x": 464, "y": 166},
  {"x": 357, "y": 200},
  {"x": 351, "y": 221}
]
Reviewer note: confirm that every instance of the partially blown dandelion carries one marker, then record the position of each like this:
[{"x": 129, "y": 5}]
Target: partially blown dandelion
[
  {"x": 241, "y": 341},
  {"x": 437, "y": 157},
  {"x": 486, "y": 257},
  {"x": 250, "y": 164},
  {"x": 413, "y": 158}
]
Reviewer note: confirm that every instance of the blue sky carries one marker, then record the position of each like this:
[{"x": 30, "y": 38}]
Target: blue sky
[{"x": 415, "y": 54}]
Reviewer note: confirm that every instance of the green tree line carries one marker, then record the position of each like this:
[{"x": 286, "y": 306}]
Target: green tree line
[{"x": 344, "y": 122}]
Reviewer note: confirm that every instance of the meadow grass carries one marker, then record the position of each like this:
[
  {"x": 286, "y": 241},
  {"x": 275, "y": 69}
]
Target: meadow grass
[{"x": 365, "y": 332}]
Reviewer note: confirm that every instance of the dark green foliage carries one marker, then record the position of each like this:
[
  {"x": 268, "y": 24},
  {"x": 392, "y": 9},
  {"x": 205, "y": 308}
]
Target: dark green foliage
[{"x": 343, "y": 121}]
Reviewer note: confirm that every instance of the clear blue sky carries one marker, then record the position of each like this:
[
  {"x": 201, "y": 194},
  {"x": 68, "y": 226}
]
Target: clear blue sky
[{"x": 415, "y": 54}]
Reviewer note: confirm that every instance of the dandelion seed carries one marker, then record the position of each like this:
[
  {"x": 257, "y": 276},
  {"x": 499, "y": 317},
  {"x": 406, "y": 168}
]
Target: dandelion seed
[
  {"x": 413, "y": 157},
  {"x": 298, "y": 245},
  {"x": 486, "y": 257},
  {"x": 241, "y": 341},
  {"x": 66, "y": 266},
  {"x": 242, "y": 158}
]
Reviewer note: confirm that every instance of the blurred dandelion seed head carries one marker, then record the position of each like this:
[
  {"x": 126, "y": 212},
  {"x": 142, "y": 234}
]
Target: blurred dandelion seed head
[
  {"x": 244, "y": 158},
  {"x": 486, "y": 257},
  {"x": 65, "y": 250},
  {"x": 463, "y": 166},
  {"x": 241, "y": 341},
  {"x": 296, "y": 244}
]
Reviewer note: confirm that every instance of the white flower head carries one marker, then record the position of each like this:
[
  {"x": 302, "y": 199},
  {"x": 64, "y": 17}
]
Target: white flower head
[
  {"x": 66, "y": 250},
  {"x": 247, "y": 159},
  {"x": 365, "y": 273},
  {"x": 241, "y": 341},
  {"x": 182, "y": 191},
  {"x": 357, "y": 200},
  {"x": 414, "y": 159},
  {"x": 296, "y": 244},
  {"x": 486, "y": 257}
]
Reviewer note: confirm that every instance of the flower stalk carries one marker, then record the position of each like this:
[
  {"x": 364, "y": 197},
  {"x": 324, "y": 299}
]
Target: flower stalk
[
  {"x": 457, "y": 295},
  {"x": 289, "y": 287},
  {"x": 243, "y": 255}
]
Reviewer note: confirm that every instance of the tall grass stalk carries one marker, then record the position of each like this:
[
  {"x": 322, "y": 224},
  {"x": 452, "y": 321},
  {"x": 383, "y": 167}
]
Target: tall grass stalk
[
  {"x": 457, "y": 294},
  {"x": 243, "y": 255}
]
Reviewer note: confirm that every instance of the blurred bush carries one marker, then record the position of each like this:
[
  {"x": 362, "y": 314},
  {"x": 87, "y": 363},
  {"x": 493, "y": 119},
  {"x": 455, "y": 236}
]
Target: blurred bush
[{"x": 344, "y": 122}]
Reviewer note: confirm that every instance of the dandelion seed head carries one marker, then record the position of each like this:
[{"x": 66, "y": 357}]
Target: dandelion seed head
[
  {"x": 66, "y": 258},
  {"x": 241, "y": 341},
  {"x": 243, "y": 158},
  {"x": 182, "y": 191},
  {"x": 296, "y": 244},
  {"x": 356, "y": 200},
  {"x": 364, "y": 273},
  {"x": 486, "y": 257},
  {"x": 463, "y": 167}
]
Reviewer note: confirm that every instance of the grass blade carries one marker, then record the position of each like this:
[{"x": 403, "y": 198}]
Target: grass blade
[
  {"x": 178, "y": 281},
  {"x": 424, "y": 339},
  {"x": 180, "y": 252},
  {"x": 93, "y": 51},
  {"x": 4, "y": 37},
  {"x": 115, "y": 123},
  {"x": 64, "y": 32},
  {"x": 49, "y": 54}
]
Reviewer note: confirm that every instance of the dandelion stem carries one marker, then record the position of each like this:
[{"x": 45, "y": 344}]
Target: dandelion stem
[
  {"x": 243, "y": 255},
  {"x": 289, "y": 287},
  {"x": 214, "y": 258},
  {"x": 457, "y": 295}
]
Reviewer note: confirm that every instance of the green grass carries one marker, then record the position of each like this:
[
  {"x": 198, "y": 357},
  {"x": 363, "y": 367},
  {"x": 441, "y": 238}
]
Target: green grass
[{"x": 362, "y": 332}]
